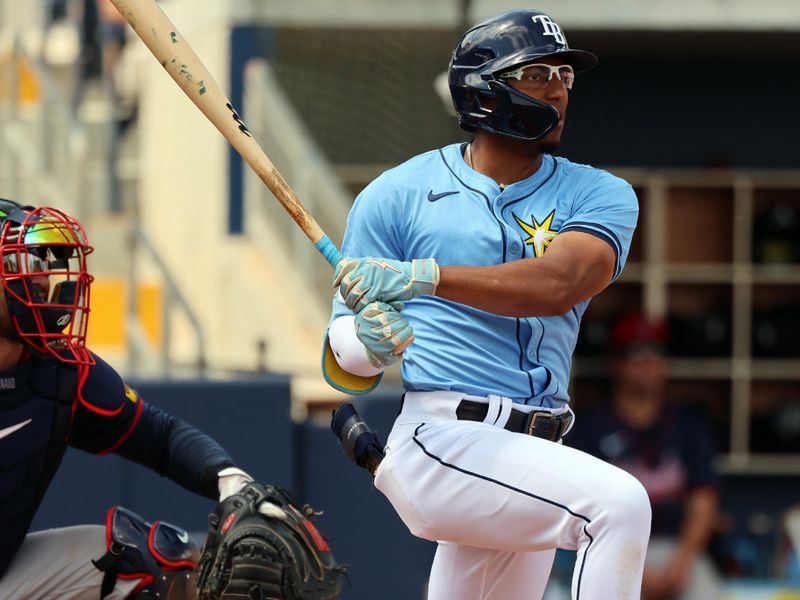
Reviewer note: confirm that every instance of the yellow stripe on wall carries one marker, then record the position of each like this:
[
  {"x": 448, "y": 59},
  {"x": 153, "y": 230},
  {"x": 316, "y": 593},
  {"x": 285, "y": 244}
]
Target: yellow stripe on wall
[
  {"x": 110, "y": 309},
  {"x": 29, "y": 91},
  {"x": 107, "y": 318}
]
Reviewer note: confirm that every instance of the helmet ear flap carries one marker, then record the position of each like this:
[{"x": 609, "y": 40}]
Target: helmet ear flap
[
  {"x": 518, "y": 112},
  {"x": 499, "y": 44}
]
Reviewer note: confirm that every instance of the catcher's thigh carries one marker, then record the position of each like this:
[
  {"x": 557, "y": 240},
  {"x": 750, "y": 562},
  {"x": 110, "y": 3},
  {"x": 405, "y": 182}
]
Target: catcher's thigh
[
  {"x": 57, "y": 563},
  {"x": 477, "y": 485}
]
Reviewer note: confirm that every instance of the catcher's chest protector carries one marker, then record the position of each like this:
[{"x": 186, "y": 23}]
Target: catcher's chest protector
[{"x": 35, "y": 410}]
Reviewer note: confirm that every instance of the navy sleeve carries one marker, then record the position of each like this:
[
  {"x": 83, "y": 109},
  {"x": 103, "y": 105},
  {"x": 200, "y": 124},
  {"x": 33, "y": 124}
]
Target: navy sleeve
[
  {"x": 699, "y": 448},
  {"x": 175, "y": 449},
  {"x": 110, "y": 417},
  {"x": 105, "y": 410}
]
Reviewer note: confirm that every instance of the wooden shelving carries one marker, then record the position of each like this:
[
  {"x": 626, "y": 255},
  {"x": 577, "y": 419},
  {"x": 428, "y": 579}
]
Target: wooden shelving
[{"x": 700, "y": 260}]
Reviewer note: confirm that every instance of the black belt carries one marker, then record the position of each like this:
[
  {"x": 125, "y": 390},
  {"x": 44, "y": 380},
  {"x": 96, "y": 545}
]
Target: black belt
[{"x": 539, "y": 423}]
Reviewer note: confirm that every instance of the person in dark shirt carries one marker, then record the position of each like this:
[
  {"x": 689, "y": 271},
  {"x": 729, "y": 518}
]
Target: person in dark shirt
[
  {"x": 55, "y": 393},
  {"x": 668, "y": 450}
]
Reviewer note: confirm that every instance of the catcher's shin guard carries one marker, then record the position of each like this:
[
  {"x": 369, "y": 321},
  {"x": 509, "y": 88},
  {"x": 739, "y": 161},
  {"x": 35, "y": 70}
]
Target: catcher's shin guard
[{"x": 161, "y": 556}]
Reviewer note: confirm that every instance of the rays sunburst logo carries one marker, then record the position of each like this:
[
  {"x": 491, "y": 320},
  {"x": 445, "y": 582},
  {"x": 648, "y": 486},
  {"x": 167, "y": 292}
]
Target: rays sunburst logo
[{"x": 539, "y": 232}]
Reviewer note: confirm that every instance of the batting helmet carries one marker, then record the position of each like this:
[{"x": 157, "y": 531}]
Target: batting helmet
[
  {"x": 500, "y": 44},
  {"x": 45, "y": 281}
]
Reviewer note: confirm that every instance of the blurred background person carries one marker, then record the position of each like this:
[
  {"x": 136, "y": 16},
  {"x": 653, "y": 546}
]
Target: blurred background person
[{"x": 669, "y": 450}]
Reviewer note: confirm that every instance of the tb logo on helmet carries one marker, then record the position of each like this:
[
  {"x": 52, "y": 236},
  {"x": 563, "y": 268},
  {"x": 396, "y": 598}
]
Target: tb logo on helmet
[
  {"x": 550, "y": 28},
  {"x": 496, "y": 47}
]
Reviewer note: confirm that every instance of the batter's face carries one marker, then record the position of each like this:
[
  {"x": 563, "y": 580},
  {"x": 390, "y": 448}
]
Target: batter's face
[{"x": 555, "y": 94}]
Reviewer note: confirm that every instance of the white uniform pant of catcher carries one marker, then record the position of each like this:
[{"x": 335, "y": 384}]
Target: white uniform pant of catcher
[
  {"x": 56, "y": 564},
  {"x": 499, "y": 503}
]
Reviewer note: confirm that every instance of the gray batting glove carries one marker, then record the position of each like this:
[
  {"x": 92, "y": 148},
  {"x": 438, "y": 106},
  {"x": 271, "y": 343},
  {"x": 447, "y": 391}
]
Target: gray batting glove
[
  {"x": 384, "y": 332},
  {"x": 369, "y": 279}
]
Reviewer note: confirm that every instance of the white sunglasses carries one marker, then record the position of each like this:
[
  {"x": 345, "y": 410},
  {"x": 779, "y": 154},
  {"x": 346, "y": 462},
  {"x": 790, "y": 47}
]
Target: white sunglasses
[{"x": 540, "y": 74}]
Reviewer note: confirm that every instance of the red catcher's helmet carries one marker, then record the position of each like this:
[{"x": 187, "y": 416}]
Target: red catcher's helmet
[{"x": 44, "y": 277}]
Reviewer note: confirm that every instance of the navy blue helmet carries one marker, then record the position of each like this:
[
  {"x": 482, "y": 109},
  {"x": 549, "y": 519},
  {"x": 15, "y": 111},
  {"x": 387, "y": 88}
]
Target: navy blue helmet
[{"x": 498, "y": 45}]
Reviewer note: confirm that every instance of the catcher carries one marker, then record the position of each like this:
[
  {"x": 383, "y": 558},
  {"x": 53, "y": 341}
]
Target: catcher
[{"x": 55, "y": 393}]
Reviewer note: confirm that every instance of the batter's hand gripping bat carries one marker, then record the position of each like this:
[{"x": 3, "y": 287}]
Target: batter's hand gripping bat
[{"x": 177, "y": 57}]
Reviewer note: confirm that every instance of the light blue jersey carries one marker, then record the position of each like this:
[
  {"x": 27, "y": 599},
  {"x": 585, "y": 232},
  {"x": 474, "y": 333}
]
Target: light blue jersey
[{"x": 434, "y": 205}]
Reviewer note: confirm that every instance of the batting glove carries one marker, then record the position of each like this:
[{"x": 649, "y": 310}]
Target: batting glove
[
  {"x": 384, "y": 332},
  {"x": 365, "y": 280}
]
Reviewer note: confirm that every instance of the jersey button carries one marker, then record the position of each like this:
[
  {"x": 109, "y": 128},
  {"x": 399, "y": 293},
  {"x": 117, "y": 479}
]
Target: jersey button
[{"x": 515, "y": 248}]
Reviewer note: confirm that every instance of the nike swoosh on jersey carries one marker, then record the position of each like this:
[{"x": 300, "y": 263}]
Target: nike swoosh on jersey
[
  {"x": 9, "y": 430},
  {"x": 434, "y": 197}
]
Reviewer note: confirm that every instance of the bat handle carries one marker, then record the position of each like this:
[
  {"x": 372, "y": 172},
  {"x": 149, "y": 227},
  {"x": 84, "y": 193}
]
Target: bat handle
[{"x": 329, "y": 250}]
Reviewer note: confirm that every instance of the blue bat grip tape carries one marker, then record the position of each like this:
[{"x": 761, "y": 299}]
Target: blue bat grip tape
[{"x": 329, "y": 250}]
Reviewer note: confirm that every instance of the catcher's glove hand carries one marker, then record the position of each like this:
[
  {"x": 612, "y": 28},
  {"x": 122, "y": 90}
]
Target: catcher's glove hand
[{"x": 261, "y": 546}]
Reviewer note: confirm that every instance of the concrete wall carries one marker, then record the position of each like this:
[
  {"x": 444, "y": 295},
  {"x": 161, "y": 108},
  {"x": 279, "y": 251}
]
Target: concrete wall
[{"x": 610, "y": 14}]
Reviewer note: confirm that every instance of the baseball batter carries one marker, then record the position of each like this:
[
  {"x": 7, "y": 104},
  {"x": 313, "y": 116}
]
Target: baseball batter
[{"x": 477, "y": 262}]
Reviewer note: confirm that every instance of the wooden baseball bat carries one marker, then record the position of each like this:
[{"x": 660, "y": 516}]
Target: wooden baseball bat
[{"x": 180, "y": 61}]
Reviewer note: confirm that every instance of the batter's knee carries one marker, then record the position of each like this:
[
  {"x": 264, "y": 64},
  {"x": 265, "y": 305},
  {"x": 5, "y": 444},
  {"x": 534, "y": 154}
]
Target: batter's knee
[{"x": 627, "y": 506}]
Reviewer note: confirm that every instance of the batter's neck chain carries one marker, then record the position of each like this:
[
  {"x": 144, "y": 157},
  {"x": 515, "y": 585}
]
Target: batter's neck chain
[{"x": 468, "y": 159}]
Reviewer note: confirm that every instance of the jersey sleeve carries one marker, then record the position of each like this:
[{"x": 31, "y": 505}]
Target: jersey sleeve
[
  {"x": 374, "y": 225},
  {"x": 699, "y": 453},
  {"x": 105, "y": 410},
  {"x": 374, "y": 228},
  {"x": 607, "y": 209},
  {"x": 110, "y": 417},
  {"x": 176, "y": 450}
]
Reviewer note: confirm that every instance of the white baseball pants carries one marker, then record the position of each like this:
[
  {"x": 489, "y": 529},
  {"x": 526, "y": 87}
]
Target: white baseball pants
[
  {"x": 499, "y": 503},
  {"x": 56, "y": 564}
]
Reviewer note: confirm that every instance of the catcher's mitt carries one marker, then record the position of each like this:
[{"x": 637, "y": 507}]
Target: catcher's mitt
[{"x": 261, "y": 546}]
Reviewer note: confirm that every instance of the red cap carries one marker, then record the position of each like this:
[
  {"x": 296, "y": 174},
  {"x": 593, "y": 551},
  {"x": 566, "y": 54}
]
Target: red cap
[{"x": 635, "y": 331}]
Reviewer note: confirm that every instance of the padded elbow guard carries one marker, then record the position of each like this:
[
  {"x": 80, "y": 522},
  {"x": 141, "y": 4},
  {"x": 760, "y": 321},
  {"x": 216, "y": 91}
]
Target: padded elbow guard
[{"x": 360, "y": 443}]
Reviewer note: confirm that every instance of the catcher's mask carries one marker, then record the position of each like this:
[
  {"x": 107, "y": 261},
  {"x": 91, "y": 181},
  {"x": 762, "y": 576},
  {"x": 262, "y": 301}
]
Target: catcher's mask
[
  {"x": 494, "y": 47},
  {"x": 44, "y": 277}
]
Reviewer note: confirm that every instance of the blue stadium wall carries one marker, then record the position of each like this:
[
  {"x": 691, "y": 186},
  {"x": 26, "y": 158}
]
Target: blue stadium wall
[{"x": 250, "y": 418}]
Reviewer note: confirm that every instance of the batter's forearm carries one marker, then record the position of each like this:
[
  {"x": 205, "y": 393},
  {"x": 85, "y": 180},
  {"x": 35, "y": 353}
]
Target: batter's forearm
[
  {"x": 517, "y": 289},
  {"x": 575, "y": 267}
]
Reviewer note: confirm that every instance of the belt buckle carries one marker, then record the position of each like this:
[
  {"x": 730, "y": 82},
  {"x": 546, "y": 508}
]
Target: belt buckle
[
  {"x": 550, "y": 431},
  {"x": 532, "y": 418}
]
